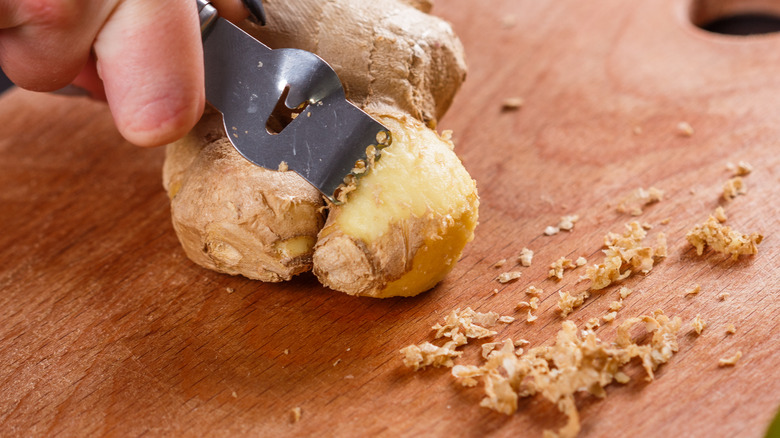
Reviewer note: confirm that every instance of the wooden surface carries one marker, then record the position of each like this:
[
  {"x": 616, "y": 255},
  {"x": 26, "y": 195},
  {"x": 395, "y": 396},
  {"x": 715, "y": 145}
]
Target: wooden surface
[{"x": 107, "y": 329}]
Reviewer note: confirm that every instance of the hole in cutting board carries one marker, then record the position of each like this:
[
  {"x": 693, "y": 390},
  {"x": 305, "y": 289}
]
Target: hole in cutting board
[
  {"x": 282, "y": 115},
  {"x": 736, "y": 17},
  {"x": 744, "y": 24}
]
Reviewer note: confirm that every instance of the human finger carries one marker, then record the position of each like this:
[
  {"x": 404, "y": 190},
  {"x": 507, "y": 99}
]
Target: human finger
[
  {"x": 150, "y": 58},
  {"x": 44, "y": 44}
]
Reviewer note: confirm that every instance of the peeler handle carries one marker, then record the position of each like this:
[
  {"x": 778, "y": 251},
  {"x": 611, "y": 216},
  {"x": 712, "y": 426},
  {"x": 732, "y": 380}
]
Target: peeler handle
[{"x": 208, "y": 13}]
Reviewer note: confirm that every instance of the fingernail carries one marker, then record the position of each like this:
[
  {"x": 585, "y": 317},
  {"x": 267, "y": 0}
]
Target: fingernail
[{"x": 71, "y": 90}]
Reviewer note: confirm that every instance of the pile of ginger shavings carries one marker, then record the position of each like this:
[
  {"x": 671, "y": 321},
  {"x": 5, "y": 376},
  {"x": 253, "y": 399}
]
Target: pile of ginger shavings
[
  {"x": 459, "y": 326},
  {"x": 579, "y": 361},
  {"x": 624, "y": 255},
  {"x": 576, "y": 362},
  {"x": 722, "y": 238}
]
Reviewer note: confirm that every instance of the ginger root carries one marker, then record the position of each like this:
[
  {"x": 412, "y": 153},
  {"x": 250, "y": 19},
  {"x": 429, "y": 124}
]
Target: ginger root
[
  {"x": 388, "y": 53},
  {"x": 234, "y": 217},
  {"x": 405, "y": 225}
]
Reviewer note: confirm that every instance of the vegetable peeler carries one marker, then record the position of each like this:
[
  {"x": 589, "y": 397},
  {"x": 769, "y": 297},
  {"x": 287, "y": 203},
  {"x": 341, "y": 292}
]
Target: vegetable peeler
[{"x": 284, "y": 108}]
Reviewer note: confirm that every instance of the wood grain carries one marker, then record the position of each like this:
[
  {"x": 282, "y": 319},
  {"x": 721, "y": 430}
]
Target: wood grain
[{"x": 107, "y": 329}]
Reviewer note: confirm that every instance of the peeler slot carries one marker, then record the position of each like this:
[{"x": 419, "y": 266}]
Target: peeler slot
[{"x": 282, "y": 115}]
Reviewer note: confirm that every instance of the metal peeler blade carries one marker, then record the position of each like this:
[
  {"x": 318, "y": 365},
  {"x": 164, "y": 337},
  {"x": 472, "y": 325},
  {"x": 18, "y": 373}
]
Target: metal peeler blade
[{"x": 249, "y": 83}]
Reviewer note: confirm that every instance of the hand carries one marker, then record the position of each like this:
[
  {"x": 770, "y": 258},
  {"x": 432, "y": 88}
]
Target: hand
[{"x": 144, "y": 57}]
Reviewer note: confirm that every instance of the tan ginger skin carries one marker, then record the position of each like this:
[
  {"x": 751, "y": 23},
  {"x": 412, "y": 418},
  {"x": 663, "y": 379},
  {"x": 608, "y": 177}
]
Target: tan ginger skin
[{"x": 402, "y": 66}]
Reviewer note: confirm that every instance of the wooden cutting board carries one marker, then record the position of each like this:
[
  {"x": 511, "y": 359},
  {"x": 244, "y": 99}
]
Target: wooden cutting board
[{"x": 106, "y": 328}]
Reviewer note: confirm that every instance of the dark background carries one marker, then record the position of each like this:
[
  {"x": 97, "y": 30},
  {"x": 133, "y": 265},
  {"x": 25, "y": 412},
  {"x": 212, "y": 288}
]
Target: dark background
[{"x": 4, "y": 82}]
